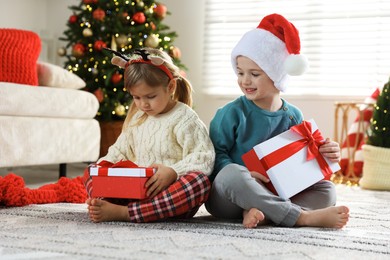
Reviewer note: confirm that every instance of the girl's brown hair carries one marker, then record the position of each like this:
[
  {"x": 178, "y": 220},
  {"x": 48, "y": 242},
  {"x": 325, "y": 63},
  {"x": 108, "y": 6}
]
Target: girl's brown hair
[{"x": 153, "y": 76}]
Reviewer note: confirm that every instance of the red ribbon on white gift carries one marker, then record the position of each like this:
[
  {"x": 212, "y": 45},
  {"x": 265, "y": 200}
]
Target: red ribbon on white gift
[{"x": 310, "y": 140}]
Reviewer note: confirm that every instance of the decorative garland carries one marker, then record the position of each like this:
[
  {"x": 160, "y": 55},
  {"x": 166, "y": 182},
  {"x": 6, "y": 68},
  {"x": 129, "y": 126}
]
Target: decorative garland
[{"x": 14, "y": 193}]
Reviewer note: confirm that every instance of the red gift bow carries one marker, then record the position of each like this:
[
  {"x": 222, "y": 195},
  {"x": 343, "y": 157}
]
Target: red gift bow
[
  {"x": 120, "y": 164},
  {"x": 311, "y": 140},
  {"x": 103, "y": 171}
]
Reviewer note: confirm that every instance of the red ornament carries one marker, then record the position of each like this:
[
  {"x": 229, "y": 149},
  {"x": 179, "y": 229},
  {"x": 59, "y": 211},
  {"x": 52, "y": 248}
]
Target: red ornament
[
  {"x": 175, "y": 52},
  {"x": 99, "y": 14},
  {"x": 99, "y": 45},
  {"x": 99, "y": 95},
  {"x": 73, "y": 19},
  {"x": 78, "y": 50},
  {"x": 125, "y": 17},
  {"x": 153, "y": 26},
  {"x": 160, "y": 11},
  {"x": 139, "y": 17},
  {"x": 116, "y": 78},
  {"x": 90, "y": 1}
]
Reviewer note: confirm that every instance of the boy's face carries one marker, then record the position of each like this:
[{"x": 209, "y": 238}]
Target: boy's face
[{"x": 254, "y": 82}]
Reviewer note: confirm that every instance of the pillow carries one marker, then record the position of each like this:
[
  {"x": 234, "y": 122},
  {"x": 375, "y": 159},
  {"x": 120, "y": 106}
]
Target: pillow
[
  {"x": 55, "y": 76},
  {"x": 19, "y": 52}
]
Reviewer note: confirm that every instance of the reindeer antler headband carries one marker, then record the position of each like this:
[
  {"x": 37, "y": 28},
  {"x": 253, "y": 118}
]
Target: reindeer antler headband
[{"x": 139, "y": 56}]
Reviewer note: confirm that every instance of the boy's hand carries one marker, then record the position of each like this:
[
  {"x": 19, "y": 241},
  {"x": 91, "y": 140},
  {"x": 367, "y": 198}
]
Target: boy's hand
[
  {"x": 259, "y": 177},
  {"x": 163, "y": 177},
  {"x": 330, "y": 150}
]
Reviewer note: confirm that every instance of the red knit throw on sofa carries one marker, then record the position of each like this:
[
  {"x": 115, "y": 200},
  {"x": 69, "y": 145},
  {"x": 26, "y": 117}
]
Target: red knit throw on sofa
[{"x": 19, "y": 52}]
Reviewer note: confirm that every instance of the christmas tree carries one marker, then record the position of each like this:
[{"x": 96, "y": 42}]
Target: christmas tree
[
  {"x": 379, "y": 131},
  {"x": 122, "y": 26}
]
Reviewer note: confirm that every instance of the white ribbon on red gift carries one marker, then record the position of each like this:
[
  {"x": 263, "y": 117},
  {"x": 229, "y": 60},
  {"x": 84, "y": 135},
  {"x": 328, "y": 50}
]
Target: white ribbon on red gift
[
  {"x": 310, "y": 140},
  {"x": 104, "y": 166}
]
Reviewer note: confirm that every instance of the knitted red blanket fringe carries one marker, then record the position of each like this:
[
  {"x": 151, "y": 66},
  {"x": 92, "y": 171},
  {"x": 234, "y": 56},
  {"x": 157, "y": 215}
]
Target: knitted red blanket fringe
[{"x": 14, "y": 193}]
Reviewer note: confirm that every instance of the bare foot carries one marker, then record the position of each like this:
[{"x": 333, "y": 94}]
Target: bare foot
[
  {"x": 331, "y": 217},
  {"x": 252, "y": 218},
  {"x": 102, "y": 211}
]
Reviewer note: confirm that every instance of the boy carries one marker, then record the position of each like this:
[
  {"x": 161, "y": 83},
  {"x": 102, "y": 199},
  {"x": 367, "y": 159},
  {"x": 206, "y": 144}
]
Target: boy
[{"x": 263, "y": 60}]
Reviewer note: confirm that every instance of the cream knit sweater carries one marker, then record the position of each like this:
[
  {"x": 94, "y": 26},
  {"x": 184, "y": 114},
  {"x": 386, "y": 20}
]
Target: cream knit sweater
[{"x": 177, "y": 139}]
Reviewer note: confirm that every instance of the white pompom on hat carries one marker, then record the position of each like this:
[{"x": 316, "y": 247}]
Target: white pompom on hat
[{"x": 275, "y": 47}]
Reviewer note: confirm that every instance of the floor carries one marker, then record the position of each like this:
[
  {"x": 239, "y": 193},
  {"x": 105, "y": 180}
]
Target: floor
[{"x": 36, "y": 176}]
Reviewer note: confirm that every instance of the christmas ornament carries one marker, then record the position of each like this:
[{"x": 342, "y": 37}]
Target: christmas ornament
[
  {"x": 61, "y": 51},
  {"x": 140, "y": 3},
  {"x": 99, "y": 14},
  {"x": 116, "y": 78},
  {"x": 113, "y": 43},
  {"x": 87, "y": 32},
  {"x": 99, "y": 45},
  {"x": 125, "y": 17},
  {"x": 78, "y": 50},
  {"x": 175, "y": 52},
  {"x": 73, "y": 19},
  {"x": 152, "y": 41},
  {"x": 160, "y": 11},
  {"x": 120, "y": 110},
  {"x": 99, "y": 95},
  {"x": 121, "y": 40},
  {"x": 152, "y": 25},
  {"x": 139, "y": 17}
]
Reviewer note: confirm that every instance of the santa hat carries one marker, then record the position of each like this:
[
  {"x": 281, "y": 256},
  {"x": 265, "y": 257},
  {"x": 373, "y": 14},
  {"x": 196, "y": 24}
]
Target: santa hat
[{"x": 275, "y": 47}]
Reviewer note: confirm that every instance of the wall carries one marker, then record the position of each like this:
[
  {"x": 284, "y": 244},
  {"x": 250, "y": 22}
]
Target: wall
[{"x": 48, "y": 18}]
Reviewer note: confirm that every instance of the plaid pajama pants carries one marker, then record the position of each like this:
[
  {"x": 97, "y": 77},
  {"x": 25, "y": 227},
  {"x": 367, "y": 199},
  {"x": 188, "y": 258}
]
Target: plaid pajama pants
[{"x": 182, "y": 199}]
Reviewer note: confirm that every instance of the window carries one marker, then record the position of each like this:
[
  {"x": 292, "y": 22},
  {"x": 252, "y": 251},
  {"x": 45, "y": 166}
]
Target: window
[{"x": 347, "y": 43}]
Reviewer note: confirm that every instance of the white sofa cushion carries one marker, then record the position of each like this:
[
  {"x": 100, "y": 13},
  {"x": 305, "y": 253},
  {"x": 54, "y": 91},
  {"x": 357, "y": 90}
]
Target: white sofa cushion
[
  {"x": 36, "y": 140},
  {"x": 55, "y": 76},
  {"x": 24, "y": 100}
]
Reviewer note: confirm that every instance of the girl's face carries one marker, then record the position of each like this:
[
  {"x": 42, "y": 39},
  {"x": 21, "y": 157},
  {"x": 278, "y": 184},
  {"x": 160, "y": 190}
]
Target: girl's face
[
  {"x": 153, "y": 100},
  {"x": 254, "y": 82}
]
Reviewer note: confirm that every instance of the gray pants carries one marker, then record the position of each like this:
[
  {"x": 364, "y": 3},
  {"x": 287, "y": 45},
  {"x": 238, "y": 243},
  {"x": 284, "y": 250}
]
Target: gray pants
[{"x": 235, "y": 190}]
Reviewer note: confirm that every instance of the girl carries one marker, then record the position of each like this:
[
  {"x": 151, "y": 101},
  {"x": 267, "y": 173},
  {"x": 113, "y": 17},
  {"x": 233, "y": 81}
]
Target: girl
[
  {"x": 160, "y": 131},
  {"x": 261, "y": 60}
]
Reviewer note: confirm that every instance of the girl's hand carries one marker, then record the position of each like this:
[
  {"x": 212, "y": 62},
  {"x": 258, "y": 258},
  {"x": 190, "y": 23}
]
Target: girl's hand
[
  {"x": 161, "y": 180},
  {"x": 259, "y": 177},
  {"x": 330, "y": 150}
]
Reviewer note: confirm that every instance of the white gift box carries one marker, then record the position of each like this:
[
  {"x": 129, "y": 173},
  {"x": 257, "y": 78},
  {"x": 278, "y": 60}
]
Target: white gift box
[{"x": 291, "y": 175}]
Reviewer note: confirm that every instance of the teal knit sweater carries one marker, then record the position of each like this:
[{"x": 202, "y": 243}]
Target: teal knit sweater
[{"x": 240, "y": 125}]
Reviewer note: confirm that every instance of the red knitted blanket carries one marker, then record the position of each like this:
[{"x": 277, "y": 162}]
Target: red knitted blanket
[{"x": 14, "y": 193}]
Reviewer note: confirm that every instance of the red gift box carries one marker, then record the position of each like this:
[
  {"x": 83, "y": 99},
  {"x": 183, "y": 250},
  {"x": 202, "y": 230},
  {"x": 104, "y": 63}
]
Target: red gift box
[
  {"x": 120, "y": 180},
  {"x": 291, "y": 160}
]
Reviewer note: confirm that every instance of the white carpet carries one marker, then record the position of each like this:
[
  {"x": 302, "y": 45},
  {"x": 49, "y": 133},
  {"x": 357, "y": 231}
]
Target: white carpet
[{"x": 63, "y": 231}]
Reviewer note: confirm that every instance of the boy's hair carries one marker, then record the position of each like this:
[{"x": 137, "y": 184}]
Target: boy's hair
[{"x": 154, "y": 76}]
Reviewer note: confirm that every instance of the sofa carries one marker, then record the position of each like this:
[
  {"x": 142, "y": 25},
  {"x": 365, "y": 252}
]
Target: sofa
[{"x": 45, "y": 117}]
